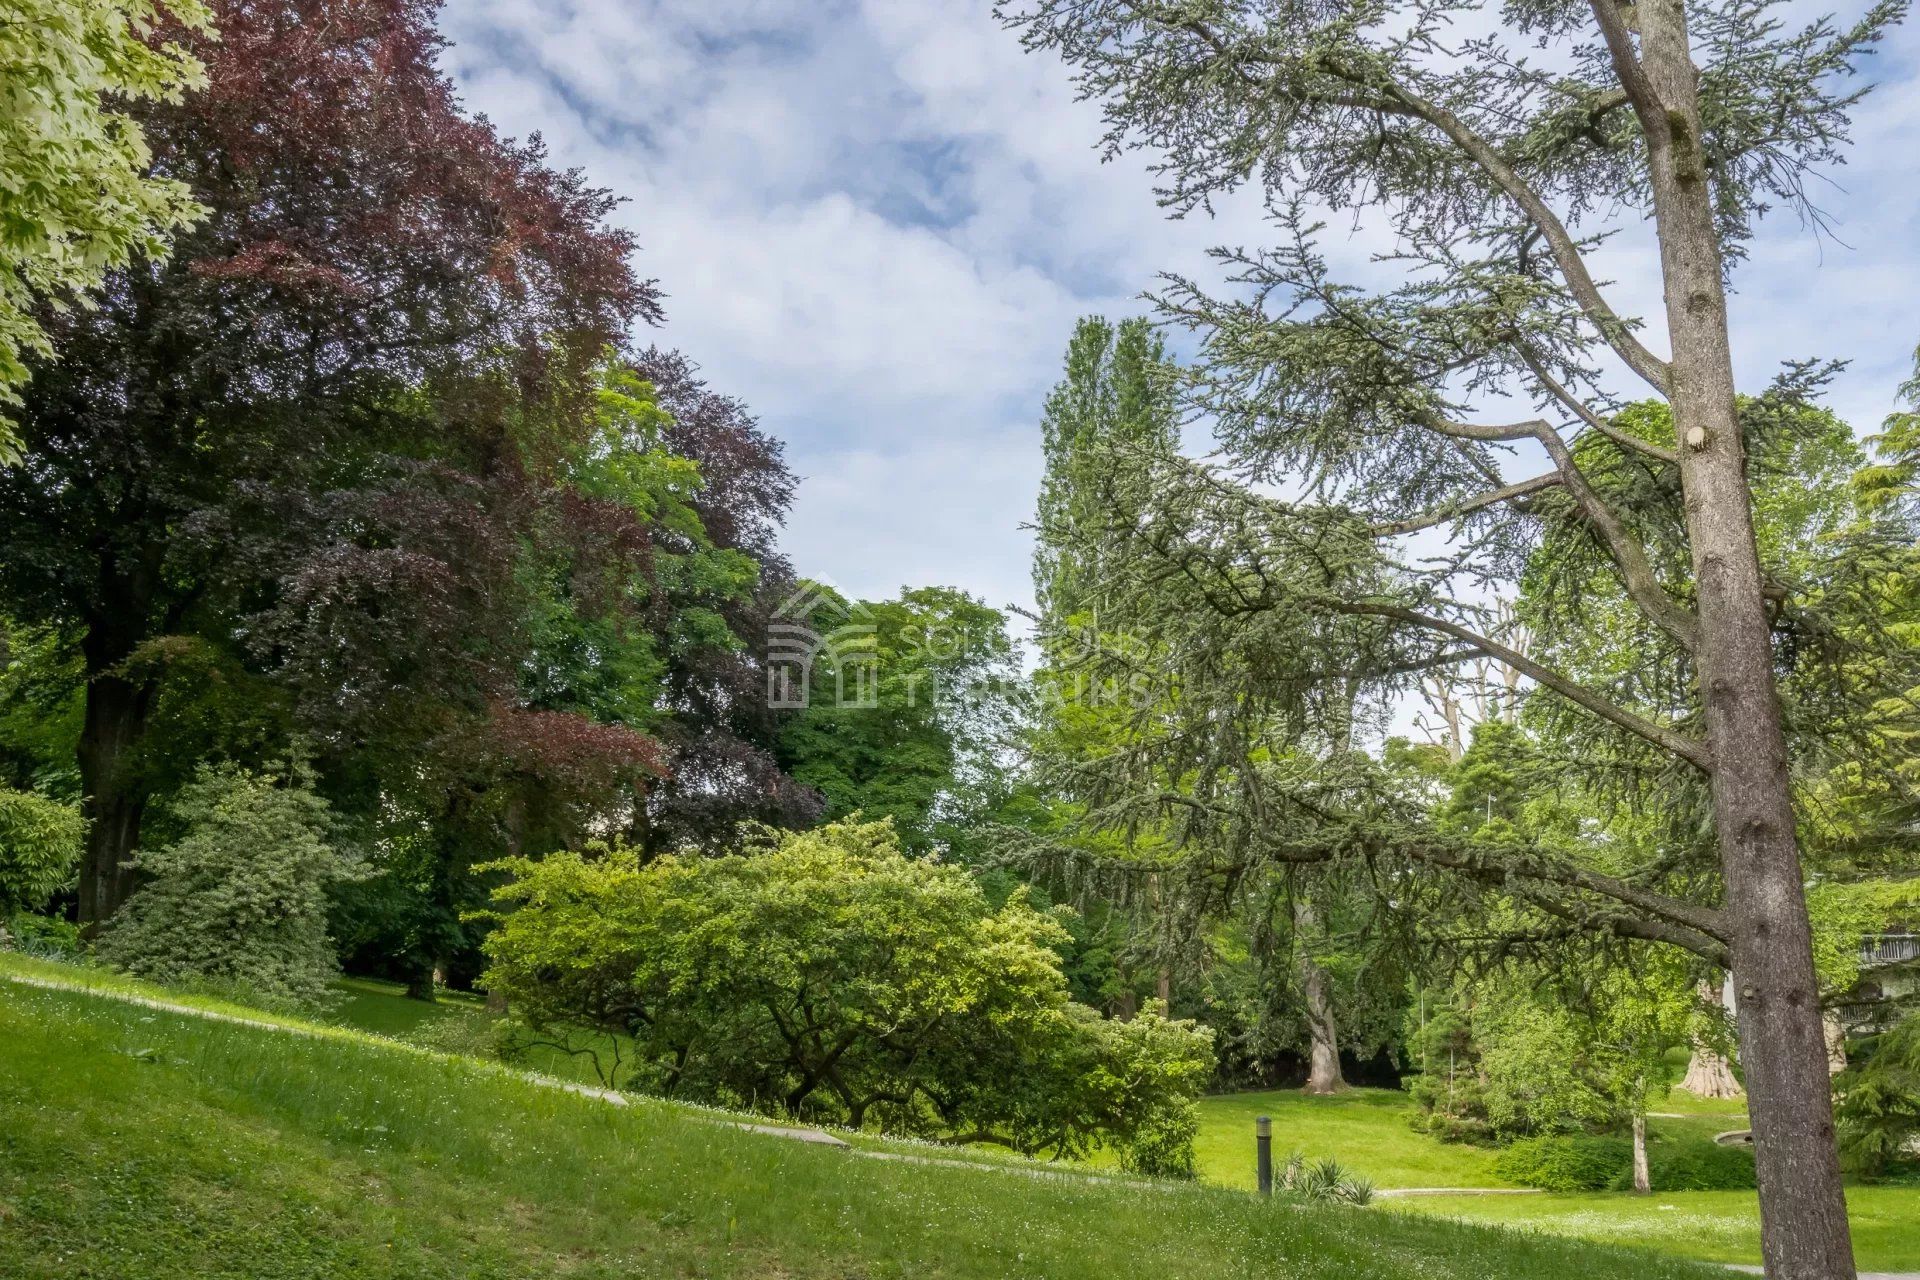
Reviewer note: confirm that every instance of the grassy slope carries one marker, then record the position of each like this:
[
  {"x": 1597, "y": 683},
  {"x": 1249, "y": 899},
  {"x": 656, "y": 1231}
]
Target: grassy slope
[
  {"x": 1366, "y": 1129},
  {"x": 383, "y": 1009},
  {"x": 136, "y": 1143},
  {"x": 1717, "y": 1226}
]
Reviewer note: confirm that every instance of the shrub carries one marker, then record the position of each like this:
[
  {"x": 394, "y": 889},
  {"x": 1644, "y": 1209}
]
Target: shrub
[
  {"x": 46, "y": 937},
  {"x": 1323, "y": 1180},
  {"x": 1879, "y": 1107},
  {"x": 1606, "y": 1164},
  {"x": 833, "y": 977},
  {"x": 239, "y": 902},
  {"x": 40, "y": 843},
  {"x": 472, "y": 1035},
  {"x": 1693, "y": 1164},
  {"x": 1566, "y": 1164}
]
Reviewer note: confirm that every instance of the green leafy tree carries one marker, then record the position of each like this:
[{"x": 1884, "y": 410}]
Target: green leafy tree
[
  {"x": 240, "y": 899},
  {"x": 912, "y": 704},
  {"x": 1497, "y": 170},
  {"x": 80, "y": 201},
  {"x": 40, "y": 843},
  {"x": 73, "y": 167},
  {"x": 1113, "y": 394},
  {"x": 831, "y": 975}
]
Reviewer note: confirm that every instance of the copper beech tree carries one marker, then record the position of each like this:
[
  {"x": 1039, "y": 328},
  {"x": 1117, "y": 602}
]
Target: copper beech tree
[{"x": 1498, "y": 144}]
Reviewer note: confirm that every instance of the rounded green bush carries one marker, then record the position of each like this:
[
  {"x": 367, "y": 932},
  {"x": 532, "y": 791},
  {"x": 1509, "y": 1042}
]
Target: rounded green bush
[
  {"x": 1606, "y": 1164},
  {"x": 1566, "y": 1164},
  {"x": 1694, "y": 1164}
]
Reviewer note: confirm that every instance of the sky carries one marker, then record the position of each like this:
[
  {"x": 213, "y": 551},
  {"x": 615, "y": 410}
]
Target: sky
[{"x": 876, "y": 222}]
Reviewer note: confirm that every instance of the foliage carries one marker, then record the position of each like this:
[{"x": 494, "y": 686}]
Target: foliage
[
  {"x": 40, "y": 842},
  {"x": 471, "y": 1035},
  {"x": 241, "y": 897},
  {"x": 1324, "y": 1180},
  {"x": 1693, "y": 1163},
  {"x": 722, "y": 743},
  {"x": 45, "y": 937},
  {"x": 1589, "y": 1163},
  {"x": 74, "y": 166},
  {"x": 1565, "y": 1163},
  {"x": 1506, "y": 1055},
  {"x": 1879, "y": 1103},
  {"x": 830, "y": 975},
  {"x": 394, "y": 315},
  {"x": 1113, "y": 394},
  {"x": 910, "y": 708},
  {"x": 362, "y": 1162}
]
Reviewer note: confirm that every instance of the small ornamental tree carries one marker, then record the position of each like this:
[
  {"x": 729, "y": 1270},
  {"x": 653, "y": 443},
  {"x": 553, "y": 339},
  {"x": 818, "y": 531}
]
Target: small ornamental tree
[
  {"x": 832, "y": 977},
  {"x": 73, "y": 164},
  {"x": 1495, "y": 142},
  {"x": 40, "y": 842},
  {"x": 240, "y": 900}
]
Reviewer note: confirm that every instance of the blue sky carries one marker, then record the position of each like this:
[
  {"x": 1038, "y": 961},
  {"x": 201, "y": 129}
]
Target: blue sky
[{"x": 876, "y": 221}]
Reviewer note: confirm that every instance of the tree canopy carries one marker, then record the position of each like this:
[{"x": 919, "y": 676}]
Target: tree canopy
[{"x": 80, "y": 201}]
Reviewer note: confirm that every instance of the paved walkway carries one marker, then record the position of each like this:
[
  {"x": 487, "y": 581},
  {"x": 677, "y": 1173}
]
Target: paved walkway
[{"x": 1456, "y": 1191}]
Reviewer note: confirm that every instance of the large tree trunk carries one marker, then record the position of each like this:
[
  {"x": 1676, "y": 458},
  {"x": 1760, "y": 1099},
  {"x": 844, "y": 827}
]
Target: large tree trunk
[
  {"x": 1709, "y": 1074},
  {"x": 1804, "y": 1233},
  {"x": 114, "y": 800},
  {"x": 1323, "y": 1034}
]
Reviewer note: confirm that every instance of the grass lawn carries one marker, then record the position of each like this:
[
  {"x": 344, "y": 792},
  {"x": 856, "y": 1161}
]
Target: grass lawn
[
  {"x": 1713, "y": 1226},
  {"x": 137, "y": 1144},
  {"x": 1365, "y": 1129},
  {"x": 383, "y": 1008}
]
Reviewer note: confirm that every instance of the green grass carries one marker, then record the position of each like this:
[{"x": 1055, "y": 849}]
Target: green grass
[
  {"x": 138, "y": 1144},
  {"x": 1713, "y": 1226},
  {"x": 382, "y": 1008},
  {"x": 1365, "y": 1129}
]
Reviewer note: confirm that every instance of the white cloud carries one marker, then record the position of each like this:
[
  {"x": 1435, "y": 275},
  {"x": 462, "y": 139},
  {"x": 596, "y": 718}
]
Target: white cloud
[{"x": 877, "y": 219}]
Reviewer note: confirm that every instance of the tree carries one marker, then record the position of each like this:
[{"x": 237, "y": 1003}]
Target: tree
[
  {"x": 381, "y": 285},
  {"x": 80, "y": 202},
  {"x": 910, "y": 705},
  {"x": 1880, "y": 1103},
  {"x": 723, "y": 739},
  {"x": 40, "y": 841},
  {"x": 240, "y": 899},
  {"x": 830, "y": 975},
  {"x": 1484, "y": 162},
  {"x": 1112, "y": 395}
]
